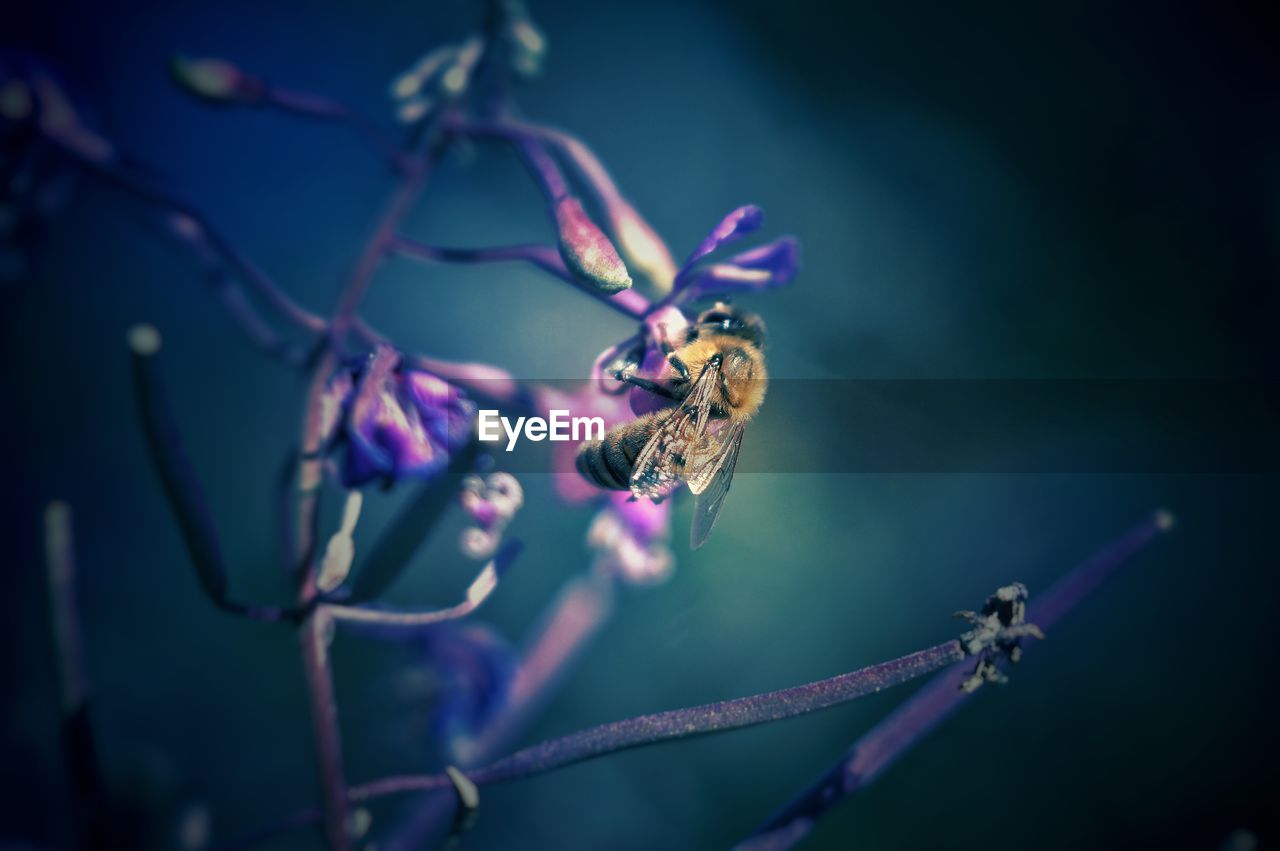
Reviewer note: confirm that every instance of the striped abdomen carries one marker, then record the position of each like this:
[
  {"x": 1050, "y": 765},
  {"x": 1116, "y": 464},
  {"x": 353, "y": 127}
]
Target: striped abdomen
[{"x": 608, "y": 463}]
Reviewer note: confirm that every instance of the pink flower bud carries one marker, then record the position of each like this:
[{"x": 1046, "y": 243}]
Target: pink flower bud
[{"x": 587, "y": 251}]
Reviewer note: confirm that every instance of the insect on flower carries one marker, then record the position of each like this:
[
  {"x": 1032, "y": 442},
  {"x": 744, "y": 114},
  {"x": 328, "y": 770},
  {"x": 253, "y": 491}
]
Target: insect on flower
[{"x": 716, "y": 383}]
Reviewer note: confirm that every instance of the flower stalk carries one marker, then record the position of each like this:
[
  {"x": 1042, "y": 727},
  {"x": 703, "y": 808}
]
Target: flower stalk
[
  {"x": 912, "y": 721},
  {"x": 80, "y": 753}
]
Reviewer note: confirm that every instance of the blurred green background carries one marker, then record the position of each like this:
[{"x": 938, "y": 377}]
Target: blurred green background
[{"x": 1084, "y": 191}]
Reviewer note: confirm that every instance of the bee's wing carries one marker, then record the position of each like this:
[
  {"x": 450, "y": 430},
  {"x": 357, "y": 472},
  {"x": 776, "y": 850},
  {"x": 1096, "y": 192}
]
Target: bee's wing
[
  {"x": 660, "y": 466},
  {"x": 709, "y": 476}
]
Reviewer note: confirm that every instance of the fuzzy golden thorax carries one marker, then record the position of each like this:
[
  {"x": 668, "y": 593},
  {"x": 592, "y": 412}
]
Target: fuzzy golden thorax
[{"x": 743, "y": 377}]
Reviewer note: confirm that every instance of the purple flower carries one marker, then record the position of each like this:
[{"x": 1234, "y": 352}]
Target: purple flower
[
  {"x": 395, "y": 422},
  {"x": 490, "y": 502},
  {"x": 473, "y": 668},
  {"x": 766, "y": 267},
  {"x": 629, "y": 537}
]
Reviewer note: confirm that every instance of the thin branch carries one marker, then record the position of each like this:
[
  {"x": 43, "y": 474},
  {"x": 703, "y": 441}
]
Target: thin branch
[
  {"x": 885, "y": 743},
  {"x": 658, "y": 728},
  {"x": 638, "y": 241},
  {"x": 79, "y": 749},
  {"x": 380, "y": 241},
  {"x": 61, "y": 566},
  {"x": 545, "y": 257},
  {"x": 310, "y": 105},
  {"x": 477, "y": 592},
  {"x": 590, "y": 255},
  {"x": 314, "y": 637},
  {"x": 570, "y": 623},
  {"x": 394, "y": 548},
  {"x": 314, "y": 634},
  {"x": 178, "y": 478},
  {"x": 627, "y": 302},
  {"x": 198, "y": 229},
  {"x": 684, "y": 723},
  {"x": 875, "y": 752}
]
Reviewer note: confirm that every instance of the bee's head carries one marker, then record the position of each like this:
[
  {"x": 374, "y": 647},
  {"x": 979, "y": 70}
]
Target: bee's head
[{"x": 723, "y": 318}]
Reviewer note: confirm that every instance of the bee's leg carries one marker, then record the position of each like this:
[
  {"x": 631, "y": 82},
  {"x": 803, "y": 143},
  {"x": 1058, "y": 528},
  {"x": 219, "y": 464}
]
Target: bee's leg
[{"x": 644, "y": 383}]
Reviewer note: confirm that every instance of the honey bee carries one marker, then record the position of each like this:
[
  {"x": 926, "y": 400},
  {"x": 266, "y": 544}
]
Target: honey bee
[{"x": 716, "y": 383}]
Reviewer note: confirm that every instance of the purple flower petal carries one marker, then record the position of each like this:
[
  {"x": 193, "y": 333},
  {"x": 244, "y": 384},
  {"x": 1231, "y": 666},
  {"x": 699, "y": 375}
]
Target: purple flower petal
[
  {"x": 474, "y": 668},
  {"x": 630, "y": 536},
  {"x": 401, "y": 423},
  {"x": 768, "y": 267},
  {"x": 732, "y": 227},
  {"x": 640, "y": 243},
  {"x": 645, "y": 519}
]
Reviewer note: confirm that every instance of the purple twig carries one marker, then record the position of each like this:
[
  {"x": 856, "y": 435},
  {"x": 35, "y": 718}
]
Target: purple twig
[
  {"x": 379, "y": 244},
  {"x": 884, "y": 743},
  {"x": 312, "y": 105},
  {"x": 178, "y": 478},
  {"x": 80, "y": 754},
  {"x": 222, "y": 82},
  {"x": 60, "y": 559},
  {"x": 315, "y": 630},
  {"x": 571, "y": 622},
  {"x": 195, "y": 229},
  {"x": 627, "y": 302},
  {"x": 477, "y": 592},
  {"x": 660, "y": 727},
  {"x": 684, "y": 723},
  {"x": 314, "y": 637},
  {"x": 640, "y": 244}
]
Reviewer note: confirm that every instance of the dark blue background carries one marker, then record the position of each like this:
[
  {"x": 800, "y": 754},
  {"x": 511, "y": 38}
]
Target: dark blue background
[{"x": 1004, "y": 192}]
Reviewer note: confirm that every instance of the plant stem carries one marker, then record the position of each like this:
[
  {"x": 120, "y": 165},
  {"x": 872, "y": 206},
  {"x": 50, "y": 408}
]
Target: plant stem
[
  {"x": 628, "y": 302},
  {"x": 884, "y": 743},
  {"x": 643, "y": 730},
  {"x": 684, "y": 723},
  {"x": 84, "y": 776},
  {"x": 379, "y": 244},
  {"x": 571, "y": 622},
  {"x": 314, "y": 636},
  {"x": 310, "y": 105},
  {"x": 244, "y": 268},
  {"x": 316, "y": 629},
  {"x": 477, "y": 592}
]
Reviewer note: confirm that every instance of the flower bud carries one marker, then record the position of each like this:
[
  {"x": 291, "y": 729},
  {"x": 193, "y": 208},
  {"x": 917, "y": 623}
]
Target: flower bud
[
  {"x": 216, "y": 80},
  {"x": 587, "y": 251},
  {"x": 641, "y": 245}
]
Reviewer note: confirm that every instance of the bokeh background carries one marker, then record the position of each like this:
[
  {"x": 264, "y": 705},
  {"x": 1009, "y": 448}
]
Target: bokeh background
[{"x": 1083, "y": 191}]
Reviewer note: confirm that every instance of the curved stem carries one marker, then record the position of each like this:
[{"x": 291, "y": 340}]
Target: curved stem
[
  {"x": 628, "y": 302},
  {"x": 545, "y": 257},
  {"x": 310, "y": 105},
  {"x": 477, "y": 592},
  {"x": 203, "y": 231},
  {"x": 178, "y": 479},
  {"x": 91, "y": 823},
  {"x": 897, "y": 733},
  {"x": 315, "y": 630},
  {"x": 684, "y": 723},
  {"x": 661, "y": 727},
  {"x": 313, "y": 638},
  {"x": 378, "y": 245}
]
